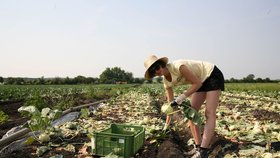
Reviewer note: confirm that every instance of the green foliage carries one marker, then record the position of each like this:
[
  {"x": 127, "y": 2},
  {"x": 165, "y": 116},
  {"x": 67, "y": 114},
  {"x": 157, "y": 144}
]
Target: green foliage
[
  {"x": 41, "y": 150},
  {"x": 114, "y": 75},
  {"x": 265, "y": 87},
  {"x": 105, "y": 91},
  {"x": 14, "y": 92},
  {"x": 39, "y": 120},
  {"x": 84, "y": 80},
  {"x": 15, "y": 80},
  {"x": 36, "y": 100},
  {"x": 3, "y": 117},
  {"x": 191, "y": 114},
  {"x": 60, "y": 97},
  {"x": 236, "y": 115},
  {"x": 1, "y": 79},
  {"x": 85, "y": 113},
  {"x": 66, "y": 102},
  {"x": 158, "y": 137},
  {"x": 153, "y": 89},
  {"x": 249, "y": 78},
  {"x": 97, "y": 92}
]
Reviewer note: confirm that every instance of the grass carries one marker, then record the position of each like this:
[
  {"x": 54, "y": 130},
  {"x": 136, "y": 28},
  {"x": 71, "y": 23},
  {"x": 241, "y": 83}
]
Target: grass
[{"x": 266, "y": 87}]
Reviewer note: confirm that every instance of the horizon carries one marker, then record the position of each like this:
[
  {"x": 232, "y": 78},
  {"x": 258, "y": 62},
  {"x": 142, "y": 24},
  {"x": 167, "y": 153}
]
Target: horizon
[{"x": 256, "y": 77}]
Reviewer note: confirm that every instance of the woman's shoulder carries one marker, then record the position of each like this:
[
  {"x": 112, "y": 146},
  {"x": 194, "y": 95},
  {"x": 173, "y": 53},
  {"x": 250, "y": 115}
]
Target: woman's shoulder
[{"x": 178, "y": 63}]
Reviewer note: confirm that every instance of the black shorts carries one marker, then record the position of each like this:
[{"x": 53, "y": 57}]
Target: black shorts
[{"x": 214, "y": 82}]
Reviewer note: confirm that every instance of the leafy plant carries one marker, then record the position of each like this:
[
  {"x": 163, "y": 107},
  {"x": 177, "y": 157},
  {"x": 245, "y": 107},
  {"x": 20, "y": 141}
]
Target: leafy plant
[
  {"x": 35, "y": 99},
  {"x": 3, "y": 117},
  {"x": 85, "y": 113},
  {"x": 40, "y": 120},
  {"x": 158, "y": 137},
  {"x": 190, "y": 113}
]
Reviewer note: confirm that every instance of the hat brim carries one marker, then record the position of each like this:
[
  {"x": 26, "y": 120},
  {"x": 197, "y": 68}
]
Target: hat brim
[{"x": 147, "y": 75}]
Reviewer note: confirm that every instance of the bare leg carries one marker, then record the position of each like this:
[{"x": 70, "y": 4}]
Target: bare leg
[
  {"x": 197, "y": 100},
  {"x": 212, "y": 101},
  {"x": 167, "y": 120}
]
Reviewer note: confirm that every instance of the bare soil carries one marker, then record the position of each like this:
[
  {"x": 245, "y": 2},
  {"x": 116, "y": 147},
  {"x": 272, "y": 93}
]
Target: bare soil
[
  {"x": 174, "y": 145},
  {"x": 15, "y": 118}
]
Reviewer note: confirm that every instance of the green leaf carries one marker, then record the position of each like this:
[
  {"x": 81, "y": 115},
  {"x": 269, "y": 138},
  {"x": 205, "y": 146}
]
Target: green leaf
[
  {"x": 30, "y": 110},
  {"x": 29, "y": 141},
  {"x": 197, "y": 120},
  {"x": 85, "y": 113},
  {"x": 191, "y": 114},
  {"x": 55, "y": 114},
  {"x": 41, "y": 150}
]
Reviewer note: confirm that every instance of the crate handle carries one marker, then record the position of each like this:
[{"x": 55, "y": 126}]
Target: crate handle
[{"x": 129, "y": 129}]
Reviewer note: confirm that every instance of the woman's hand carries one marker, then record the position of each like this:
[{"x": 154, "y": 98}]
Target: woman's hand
[{"x": 179, "y": 100}]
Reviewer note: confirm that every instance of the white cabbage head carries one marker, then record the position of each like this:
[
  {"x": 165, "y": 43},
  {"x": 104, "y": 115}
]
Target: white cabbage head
[{"x": 166, "y": 108}]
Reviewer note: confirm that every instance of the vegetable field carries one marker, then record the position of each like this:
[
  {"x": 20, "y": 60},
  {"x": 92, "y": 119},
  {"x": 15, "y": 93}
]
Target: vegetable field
[{"x": 248, "y": 119}]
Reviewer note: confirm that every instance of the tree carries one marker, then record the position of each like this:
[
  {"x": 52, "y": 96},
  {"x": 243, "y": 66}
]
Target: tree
[
  {"x": 259, "y": 80},
  {"x": 114, "y": 75},
  {"x": 57, "y": 80},
  {"x": 67, "y": 80},
  {"x": 91, "y": 80},
  {"x": 249, "y": 78},
  {"x": 267, "y": 79},
  {"x": 233, "y": 80},
  {"x": 15, "y": 81},
  {"x": 148, "y": 81},
  {"x": 80, "y": 79},
  {"x": 138, "y": 80},
  {"x": 1, "y": 79},
  {"x": 39, "y": 81}
]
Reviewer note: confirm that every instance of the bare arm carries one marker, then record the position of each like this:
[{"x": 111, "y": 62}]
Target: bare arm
[
  {"x": 169, "y": 94},
  {"x": 170, "y": 97},
  {"x": 195, "y": 81}
]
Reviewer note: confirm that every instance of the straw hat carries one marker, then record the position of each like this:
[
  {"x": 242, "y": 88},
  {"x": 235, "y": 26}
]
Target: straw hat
[{"x": 150, "y": 61}]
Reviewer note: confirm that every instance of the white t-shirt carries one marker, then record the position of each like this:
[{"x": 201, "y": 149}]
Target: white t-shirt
[{"x": 201, "y": 69}]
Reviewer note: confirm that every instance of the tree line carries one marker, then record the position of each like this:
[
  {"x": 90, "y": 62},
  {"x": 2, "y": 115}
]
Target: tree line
[
  {"x": 251, "y": 79},
  {"x": 113, "y": 75}
]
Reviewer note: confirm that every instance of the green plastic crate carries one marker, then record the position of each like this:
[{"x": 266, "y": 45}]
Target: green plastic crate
[{"x": 119, "y": 139}]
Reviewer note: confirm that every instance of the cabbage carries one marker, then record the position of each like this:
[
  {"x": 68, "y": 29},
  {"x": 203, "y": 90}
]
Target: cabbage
[
  {"x": 167, "y": 109},
  {"x": 146, "y": 120},
  {"x": 257, "y": 128},
  {"x": 44, "y": 137}
]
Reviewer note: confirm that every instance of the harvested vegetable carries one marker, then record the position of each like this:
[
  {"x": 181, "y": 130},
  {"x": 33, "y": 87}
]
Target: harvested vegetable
[
  {"x": 166, "y": 109},
  {"x": 44, "y": 137}
]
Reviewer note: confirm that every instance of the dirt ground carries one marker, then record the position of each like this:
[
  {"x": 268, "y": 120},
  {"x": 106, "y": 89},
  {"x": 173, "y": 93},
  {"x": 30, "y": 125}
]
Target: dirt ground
[
  {"x": 15, "y": 118},
  {"x": 173, "y": 145},
  {"x": 173, "y": 141}
]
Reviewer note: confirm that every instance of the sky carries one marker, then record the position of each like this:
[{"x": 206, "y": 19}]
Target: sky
[{"x": 67, "y": 38}]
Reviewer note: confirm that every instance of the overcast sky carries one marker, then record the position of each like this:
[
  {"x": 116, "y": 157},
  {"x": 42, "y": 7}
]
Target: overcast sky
[{"x": 59, "y": 38}]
